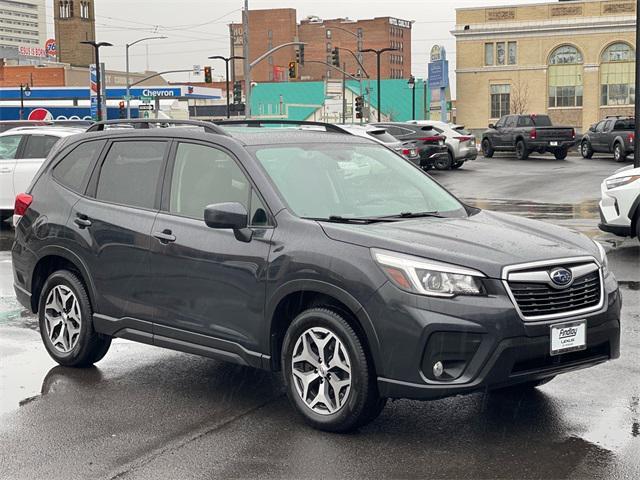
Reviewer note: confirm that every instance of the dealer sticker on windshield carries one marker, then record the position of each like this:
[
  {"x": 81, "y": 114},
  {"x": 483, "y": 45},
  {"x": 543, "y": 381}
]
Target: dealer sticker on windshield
[{"x": 568, "y": 337}]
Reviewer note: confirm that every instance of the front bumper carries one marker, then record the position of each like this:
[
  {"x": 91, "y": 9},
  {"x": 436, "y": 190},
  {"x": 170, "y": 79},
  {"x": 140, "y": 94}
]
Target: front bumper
[
  {"x": 615, "y": 207},
  {"x": 509, "y": 350}
]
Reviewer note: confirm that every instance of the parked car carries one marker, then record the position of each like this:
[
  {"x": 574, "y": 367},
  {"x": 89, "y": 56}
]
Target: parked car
[
  {"x": 525, "y": 134},
  {"x": 381, "y": 135},
  {"x": 11, "y": 124},
  {"x": 461, "y": 144},
  {"x": 620, "y": 203},
  {"x": 259, "y": 248},
  {"x": 611, "y": 135},
  {"x": 428, "y": 143},
  {"x": 22, "y": 151}
]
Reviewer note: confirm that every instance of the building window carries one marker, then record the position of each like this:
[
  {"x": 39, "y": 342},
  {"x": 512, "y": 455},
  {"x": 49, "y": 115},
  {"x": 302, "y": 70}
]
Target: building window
[
  {"x": 328, "y": 73},
  {"x": 84, "y": 10},
  {"x": 328, "y": 33},
  {"x": 65, "y": 9},
  {"x": 329, "y": 47},
  {"x": 500, "y": 100},
  {"x": 617, "y": 75},
  {"x": 500, "y": 54},
  {"x": 488, "y": 54},
  {"x": 565, "y": 77},
  {"x": 512, "y": 51}
]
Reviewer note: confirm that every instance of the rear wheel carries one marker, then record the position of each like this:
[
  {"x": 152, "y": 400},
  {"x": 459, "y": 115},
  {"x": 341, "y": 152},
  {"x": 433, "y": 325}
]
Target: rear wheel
[
  {"x": 65, "y": 318},
  {"x": 443, "y": 162},
  {"x": 521, "y": 150},
  {"x": 487, "y": 149},
  {"x": 585, "y": 149},
  {"x": 561, "y": 153},
  {"x": 457, "y": 164},
  {"x": 328, "y": 376},
  {"x": 619, "y": 155}
]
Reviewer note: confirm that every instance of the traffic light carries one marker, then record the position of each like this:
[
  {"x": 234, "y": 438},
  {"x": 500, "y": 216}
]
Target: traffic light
[
  {"x": 300, "y": 55},
  {"x": 207, "y": 75},
  {"x": 237, "y": 92},
  {"x": 122, "y": 109},
  {"x": 293, "y": 70},
  {"x": 335, "y": 57},
  {"x": 359, "y": 106}
]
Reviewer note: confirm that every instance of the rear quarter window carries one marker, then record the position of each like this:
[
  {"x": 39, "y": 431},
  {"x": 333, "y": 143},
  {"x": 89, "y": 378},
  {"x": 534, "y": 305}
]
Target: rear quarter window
[
  {"x": 74, "y": 170},
  {"x": 39, "y": 146}
]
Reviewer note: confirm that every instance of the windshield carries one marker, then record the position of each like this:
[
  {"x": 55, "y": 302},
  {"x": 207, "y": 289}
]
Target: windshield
[{"x": 352, "y": 181}]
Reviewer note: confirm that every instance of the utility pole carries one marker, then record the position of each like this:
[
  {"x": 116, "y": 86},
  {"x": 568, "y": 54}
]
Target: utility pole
[
  {"x": 247, "y": 63},
  {"x": 378, "y": 54},
  {"x": 344, "y": 93},
  {"x": 636, "y": 154}
]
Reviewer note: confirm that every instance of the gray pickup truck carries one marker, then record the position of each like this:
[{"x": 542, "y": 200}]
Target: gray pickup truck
[
  {"x": 524, "y": 134},
  {"x": 611, "y": 135}
]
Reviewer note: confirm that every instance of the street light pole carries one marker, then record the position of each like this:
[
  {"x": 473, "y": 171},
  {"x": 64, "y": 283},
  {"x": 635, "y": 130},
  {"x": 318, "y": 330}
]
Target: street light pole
[
  {"x": 636, "y": 154},
  {"x": 23, "y": 89},
  {"x": 226, "y": 64},
  {"x": 128, "y": 89},
  {"x": 247, "y": 62},
  {"x": 96, "y": 47},
  {"x": 378, "y": 55},
  {"x": 412, "y": 87}
]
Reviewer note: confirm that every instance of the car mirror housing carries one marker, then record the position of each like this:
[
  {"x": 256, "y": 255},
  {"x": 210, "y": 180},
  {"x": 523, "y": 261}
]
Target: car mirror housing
[
  {"x": 231, "y": 215},
  {"x": 491, "y": 125}
]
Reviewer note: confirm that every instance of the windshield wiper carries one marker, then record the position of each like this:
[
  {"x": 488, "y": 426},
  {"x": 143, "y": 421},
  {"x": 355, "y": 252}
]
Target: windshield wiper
[
  {"x": 358, "y": 220},
  {"x": 415, "y": 215}
]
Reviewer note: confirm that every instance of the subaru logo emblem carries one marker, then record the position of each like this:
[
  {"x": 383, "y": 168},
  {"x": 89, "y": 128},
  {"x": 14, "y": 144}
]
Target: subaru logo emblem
[{"x": 561, "y": 277}]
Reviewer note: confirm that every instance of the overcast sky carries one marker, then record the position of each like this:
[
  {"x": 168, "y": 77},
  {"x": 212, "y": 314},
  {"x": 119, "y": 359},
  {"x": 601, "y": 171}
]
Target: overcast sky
[{"x": 198, "y": 28}]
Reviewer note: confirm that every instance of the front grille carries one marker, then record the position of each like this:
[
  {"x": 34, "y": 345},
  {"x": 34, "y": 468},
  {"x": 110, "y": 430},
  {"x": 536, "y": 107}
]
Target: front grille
[{"x": 537, "y": 299}]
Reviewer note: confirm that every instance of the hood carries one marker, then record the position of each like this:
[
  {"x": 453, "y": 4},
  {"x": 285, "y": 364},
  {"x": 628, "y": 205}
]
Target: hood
[{"x": 486, "y": 241}]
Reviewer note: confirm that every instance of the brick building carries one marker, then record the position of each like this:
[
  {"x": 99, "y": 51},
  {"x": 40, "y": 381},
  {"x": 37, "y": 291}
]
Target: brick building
[
  {"x": 269, "y": 28},
  {"x": 574, "y": 60},
  {"x": 75, "y": 22}
]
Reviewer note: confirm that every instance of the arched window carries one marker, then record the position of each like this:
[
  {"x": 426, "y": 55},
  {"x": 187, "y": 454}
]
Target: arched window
[
  {"x": 617, "y": 75},
  {"x": 565, "y": 77}
]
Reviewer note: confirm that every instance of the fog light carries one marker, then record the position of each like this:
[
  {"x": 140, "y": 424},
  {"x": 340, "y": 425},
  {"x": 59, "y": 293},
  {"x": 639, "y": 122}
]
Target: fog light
[{"x": 438, "y": 368}]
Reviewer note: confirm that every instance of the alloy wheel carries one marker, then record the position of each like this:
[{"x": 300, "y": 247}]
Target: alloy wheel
[
  {"x": 62, "y": 318},
  {"x": 321, "y": 370}
]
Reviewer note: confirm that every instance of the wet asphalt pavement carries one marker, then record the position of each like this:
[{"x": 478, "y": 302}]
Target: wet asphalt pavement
[{"x": 145, "y": 413}]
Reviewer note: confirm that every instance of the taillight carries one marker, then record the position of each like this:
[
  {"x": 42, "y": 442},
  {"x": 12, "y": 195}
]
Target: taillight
[
  {"x": 464, "y": 138},
  {"x": 435, "y": 138},
  {"x": 23, "y": 200},
  {"x": 573, "y": 133},
  {"x": 630, "y": 137},
  {"x": 533, "y": 134},
  {"x": 405, "y": 151}
]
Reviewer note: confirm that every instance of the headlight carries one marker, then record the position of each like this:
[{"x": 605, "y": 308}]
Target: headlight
[
  {"x": 618, "y": 182},
  {"x": 425, "y": 277},
  {"x": 604, "y": 261}
]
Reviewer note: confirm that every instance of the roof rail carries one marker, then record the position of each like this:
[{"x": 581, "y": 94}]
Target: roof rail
[
  {"x": 329, "y": 127},
  {"x": 144, "y": 123}
]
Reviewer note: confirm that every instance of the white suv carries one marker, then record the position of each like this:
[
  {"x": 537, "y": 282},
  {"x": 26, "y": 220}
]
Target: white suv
[
  {"x": 22, "y": 151},
  {"x": 620, "y": 203}
]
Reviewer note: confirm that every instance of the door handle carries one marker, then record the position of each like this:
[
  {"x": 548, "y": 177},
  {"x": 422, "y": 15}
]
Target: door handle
[
  {"x": 165, "y": 236},
  {"x": 82, "y": 220},
  {"x": 5, "y": 170}
]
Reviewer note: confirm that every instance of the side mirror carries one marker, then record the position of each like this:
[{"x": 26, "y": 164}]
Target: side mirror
[
  {"x": 492, "y": 126},
  {"x": 232, "y": 216}
]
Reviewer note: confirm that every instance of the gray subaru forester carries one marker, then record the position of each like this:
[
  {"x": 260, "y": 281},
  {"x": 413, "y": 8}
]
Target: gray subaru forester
[{"x": 319, "y": 254}]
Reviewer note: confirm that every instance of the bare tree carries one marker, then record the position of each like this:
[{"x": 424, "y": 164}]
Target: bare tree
[{"x": 520, "y": 97}]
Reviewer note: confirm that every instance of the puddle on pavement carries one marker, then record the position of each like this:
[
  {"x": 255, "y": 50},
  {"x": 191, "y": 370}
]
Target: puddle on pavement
[{"x": 553, "y": 211}]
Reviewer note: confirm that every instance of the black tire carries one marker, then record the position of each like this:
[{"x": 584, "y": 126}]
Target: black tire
[
  {"x": 561, "y": 153},
  {"x": 521, "y": 150},
  {"x": 457, "y": 165},
  {"x": 363, "y": 403},
  {"x": 443, "y": 162},
  {"x": 585, "y": 149},
  {"x": 524, "y": 387},
  {"x": 90, "y": 347},
  {"x": 487, "y": 149},
  {"x": 619, "y": 155}
]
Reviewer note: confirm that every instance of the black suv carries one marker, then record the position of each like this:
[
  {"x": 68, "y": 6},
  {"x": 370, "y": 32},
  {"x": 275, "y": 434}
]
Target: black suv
[{"x": 324, "y": 255}]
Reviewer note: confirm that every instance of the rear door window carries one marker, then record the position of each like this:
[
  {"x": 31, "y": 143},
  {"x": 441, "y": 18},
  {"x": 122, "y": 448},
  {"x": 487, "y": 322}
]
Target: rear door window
[
  {"x": 525, "y": 122},
  {"x": 74, "y": 169},
  {"x": 38, "y": 146},
  {"x": 131, "y": 173}
]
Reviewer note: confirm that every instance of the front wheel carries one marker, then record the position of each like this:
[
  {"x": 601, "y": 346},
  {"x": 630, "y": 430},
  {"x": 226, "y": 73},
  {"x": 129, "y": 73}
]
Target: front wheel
[
  {"x": 561, "y": 153},
  {"x": 619, "y": 155},
  {"x": 328, "y": 378},
  {"x": 487, "y": 149},
  {"x": 586, "y": 150},
  {"x": 457, "y": 165},
  {"x": 65, "y": 319},
  {"x": 521, "y": 150}
]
